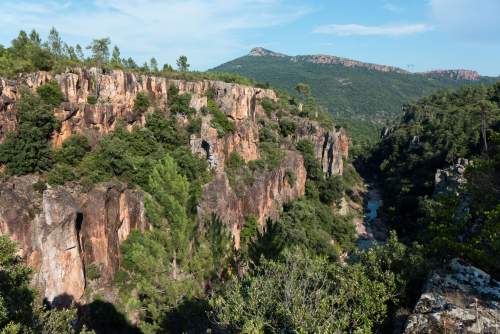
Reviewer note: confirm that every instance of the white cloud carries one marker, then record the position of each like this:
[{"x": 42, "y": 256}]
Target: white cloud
[
  {"x": 205, "y": 30},
  {"x": 470, "y": 20},
  {"x": 363, "y": 30}
]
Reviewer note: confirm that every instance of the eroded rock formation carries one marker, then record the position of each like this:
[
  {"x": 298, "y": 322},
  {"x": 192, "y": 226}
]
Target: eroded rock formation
[
  {"x": 64, "y": 230},
  {"x": 115, "y": 93},
  {"x": 331, "y": 146},
  {"x": 263, "y": 199},
  {"x": 457, "y": 299}
]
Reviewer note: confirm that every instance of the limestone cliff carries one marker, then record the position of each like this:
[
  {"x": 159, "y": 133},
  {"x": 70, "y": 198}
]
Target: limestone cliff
[{"x": 64, "y": 230}]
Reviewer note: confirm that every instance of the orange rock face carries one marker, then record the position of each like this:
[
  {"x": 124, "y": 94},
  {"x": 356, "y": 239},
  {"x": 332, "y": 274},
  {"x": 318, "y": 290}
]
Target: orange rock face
[
  {"x": 263, "y": 199},
  {"x": 64, "y": 230},
  {"x": 67, "y": 229}
]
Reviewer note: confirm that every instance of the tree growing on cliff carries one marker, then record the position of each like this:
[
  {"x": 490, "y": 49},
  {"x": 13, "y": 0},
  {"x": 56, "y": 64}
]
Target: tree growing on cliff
[
  {"x": 100, "y": 51},
  {"x": 303, "y": 89},
  {"x": 115, "y": 58},
  {"x": 16, "y": 297},
  {"x": 182, "y": 64},
  {"x": 28, "y": 150}
]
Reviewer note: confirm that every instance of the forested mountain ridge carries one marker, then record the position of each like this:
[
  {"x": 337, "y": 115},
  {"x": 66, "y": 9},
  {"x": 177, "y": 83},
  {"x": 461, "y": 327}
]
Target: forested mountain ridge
[{"x": 361, "y": 96}]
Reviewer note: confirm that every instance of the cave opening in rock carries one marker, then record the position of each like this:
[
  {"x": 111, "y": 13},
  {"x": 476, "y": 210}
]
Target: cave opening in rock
[{"x": 206, "y": 147}]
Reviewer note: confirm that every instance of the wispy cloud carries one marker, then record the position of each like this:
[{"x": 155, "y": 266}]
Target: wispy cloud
[
  {"x": 363, "y": 30},
  {"x": 204, "y": 30},
  {"x": 393, "y": 7}
]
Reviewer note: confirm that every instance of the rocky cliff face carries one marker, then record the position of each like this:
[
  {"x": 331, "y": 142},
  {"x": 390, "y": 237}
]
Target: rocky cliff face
[
  {"x": 457, "y": 299},
  {"x": 453, "y": 74},
  {"x": 263, "y": 199},
  {"x": 115, "y": 92},
  {"x": 331, "y": 146},
  {"x": 65, "y": 230}
]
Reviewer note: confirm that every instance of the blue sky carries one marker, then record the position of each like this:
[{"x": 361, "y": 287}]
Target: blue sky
[{"x": 418, "y": 35}]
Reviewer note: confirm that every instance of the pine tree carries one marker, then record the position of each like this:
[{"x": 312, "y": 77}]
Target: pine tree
[
  {"x": 115, "y": 57},
  {"x": 182, "y": 64}
]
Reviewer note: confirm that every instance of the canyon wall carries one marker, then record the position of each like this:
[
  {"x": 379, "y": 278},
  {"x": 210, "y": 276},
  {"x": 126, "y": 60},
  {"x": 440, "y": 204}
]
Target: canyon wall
[
  {"x": 63, "y": 231},
  {"x": 66, "y": 231}
]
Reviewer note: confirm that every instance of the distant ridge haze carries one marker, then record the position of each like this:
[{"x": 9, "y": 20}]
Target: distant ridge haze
[{"x": 454, "y": 74}]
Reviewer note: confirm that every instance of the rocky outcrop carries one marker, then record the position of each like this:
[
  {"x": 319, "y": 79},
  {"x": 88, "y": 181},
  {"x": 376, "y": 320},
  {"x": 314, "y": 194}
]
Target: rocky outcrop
[
  {"x": 331, "y": 146},
  {"x": 263, "y": 199},
  {"x": 451, "y": 179},
  {"x": 262, "y": 52},
  {"x": 453, "y": 74},
  {"x": 64, "y": 230},
  {"x": 457, "y": 299},
  {"x": 115, "y": 92}
]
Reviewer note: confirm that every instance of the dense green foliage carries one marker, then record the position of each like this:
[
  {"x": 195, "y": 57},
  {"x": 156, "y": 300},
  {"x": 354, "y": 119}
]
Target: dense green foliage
[
  {"x": 220, "y": 121},
  {"x": 298, "y": 291},
  {"x": 27, "y": 150},
  {"x": 360, "y": 99},
  {"x": 434, "y": 133}
]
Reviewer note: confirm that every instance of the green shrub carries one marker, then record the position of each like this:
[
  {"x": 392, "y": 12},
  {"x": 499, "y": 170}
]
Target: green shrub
[
  {"x": 72, "y": 150},
  {"x": 194, "y": 126},
  {"x": 27, "y": 150},
  {"x": 166, "y": 131},
  {"x": 93, "y": 271},
  {"x": 331, "y": 190},
  {"x": 235, "y": 161},
  {"x": 60, "y": 174},
  {"x": 268, "y": 105},
  {"x": 287, "y": 127},
  {"x": 267, "y": 135},
  {"x": 290, "y": 177},
  {"x": 220, "y": 121},
  {"x": 51, "y": 94},
  {"x": 313, "y": 168},
  {"x": 277, "y": 297},
  {"x": 92, "y": 99},
  {"x": 141, "y": 103},
  {"x": 271, "y": 154}
]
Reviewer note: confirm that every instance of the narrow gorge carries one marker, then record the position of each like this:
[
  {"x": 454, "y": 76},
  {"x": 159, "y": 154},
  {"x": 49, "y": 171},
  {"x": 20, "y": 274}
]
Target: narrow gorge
[{"x": 65, "y": 231}]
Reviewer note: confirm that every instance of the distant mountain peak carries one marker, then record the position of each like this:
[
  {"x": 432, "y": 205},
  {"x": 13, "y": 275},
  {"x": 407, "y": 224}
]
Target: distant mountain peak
[{"x": 261, "y": 52}]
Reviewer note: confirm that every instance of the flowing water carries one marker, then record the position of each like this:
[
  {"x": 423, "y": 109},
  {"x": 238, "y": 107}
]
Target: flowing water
[{"x": 372, "y": 228}]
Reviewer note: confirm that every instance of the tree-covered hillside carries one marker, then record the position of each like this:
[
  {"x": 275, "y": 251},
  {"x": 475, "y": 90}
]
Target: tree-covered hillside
[
  {"x": 361, "y": 99},
  {"x": 433, "y": 134}
]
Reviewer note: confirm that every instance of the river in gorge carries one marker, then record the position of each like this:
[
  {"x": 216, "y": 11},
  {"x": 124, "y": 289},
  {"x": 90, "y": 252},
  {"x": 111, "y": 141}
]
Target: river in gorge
[{"x": 371, "y": 228}]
